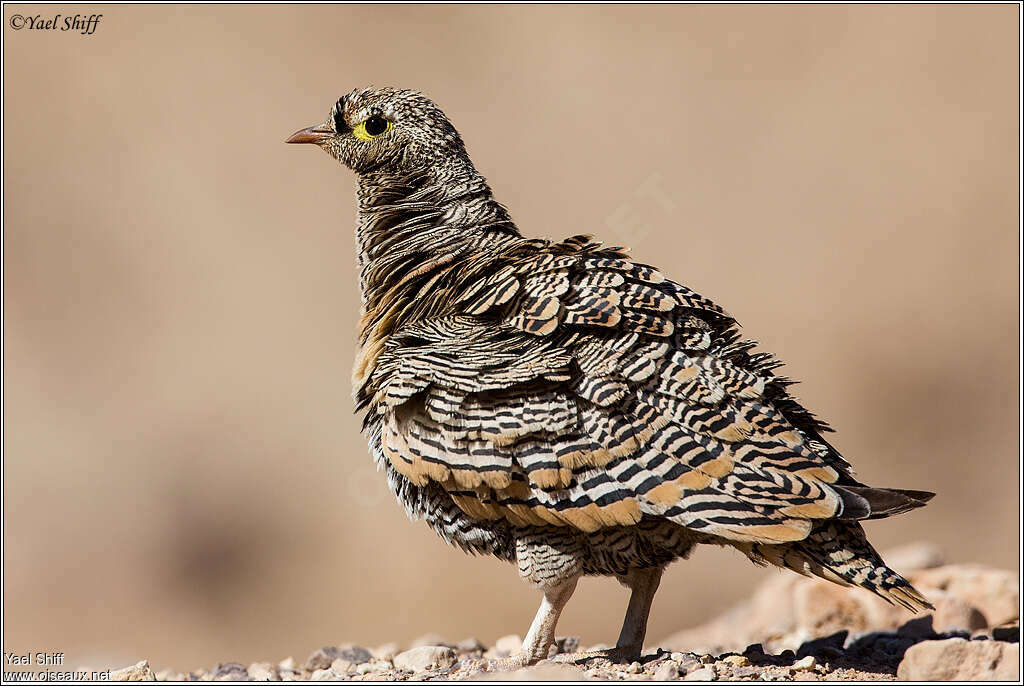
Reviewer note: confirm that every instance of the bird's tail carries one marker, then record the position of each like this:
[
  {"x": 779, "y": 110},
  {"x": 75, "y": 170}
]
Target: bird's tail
[{"x": 838, "y": 551}]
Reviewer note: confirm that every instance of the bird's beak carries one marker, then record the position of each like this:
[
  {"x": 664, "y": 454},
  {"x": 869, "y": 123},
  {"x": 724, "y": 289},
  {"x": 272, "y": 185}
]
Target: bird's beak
[{"x": 314, "y": 134}]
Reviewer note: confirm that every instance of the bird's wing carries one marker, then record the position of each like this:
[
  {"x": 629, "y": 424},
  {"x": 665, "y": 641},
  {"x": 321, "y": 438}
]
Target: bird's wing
[{"x": 570, "y": 386}]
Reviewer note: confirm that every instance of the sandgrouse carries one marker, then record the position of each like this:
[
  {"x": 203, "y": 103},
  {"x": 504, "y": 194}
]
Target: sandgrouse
[{"x": 562, "y": 407}]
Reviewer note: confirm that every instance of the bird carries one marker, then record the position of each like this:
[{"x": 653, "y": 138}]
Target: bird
[{"x": 562, "y": 407}]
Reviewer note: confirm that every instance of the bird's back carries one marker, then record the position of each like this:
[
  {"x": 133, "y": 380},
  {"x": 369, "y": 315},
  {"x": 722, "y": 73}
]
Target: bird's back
[{"x": 563, "y": 388}]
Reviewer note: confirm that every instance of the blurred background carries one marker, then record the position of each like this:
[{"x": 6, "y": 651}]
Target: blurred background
[{"x": 184, "y": 478}]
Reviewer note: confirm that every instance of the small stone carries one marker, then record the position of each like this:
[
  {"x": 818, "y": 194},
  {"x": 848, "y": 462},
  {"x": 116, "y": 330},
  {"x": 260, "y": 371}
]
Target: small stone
[
  {"x": 263, "y": 671},
  {"x": 341, "y": 666},
  {"x": 706, "y": 659},
  {"x": 323, "y": 675},
  {"x": 634, "y": 668},
  {"x": 140, "y": 671},
  {"x": 678, "y": 657},
  {"x": 666, "y": 671},
  {"x": 469, "y": 646},
  {"x": 322, "y": 658},
  {"x": 287, "y": 663},
  {"x": 357, "y": 655},
  {"x": 567, "y": 644},
  {"x": 743, "y": 673},
  {"x": 805, "y": 663},
  {"x": 430, "y": 640},
  {"x": 509, "y": 645},
  {"x": 230, "y": 671},
  {"x": 737, "y": 660},
  {"x": 386, "y": 652},
  {"x": 425, "y": 658},
  {"x": 705, "y": 674}
]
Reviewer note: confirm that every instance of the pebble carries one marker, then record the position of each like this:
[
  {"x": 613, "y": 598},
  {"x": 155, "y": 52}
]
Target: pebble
[
  {"x": 567, "y": 644},
  {"x": 678, "y": 657},
  {"x": 429, "y": 640},
  {"x": 425, "y": 658},
  {"x": 470, "y": 646},
  {"x": 509, "y": 645},
  {"x": 386, "y": 652},
  {"x": 323, "y": 675},
  {"x": 322, "y": 658},
  {"x": 341, "y": 666},
  {"x": 737, "y": 660},
  {"x": 706, "y": 659},
  {"x": 357, "y": 655},
  {"x": 140, "y": 671},
  {"x": 633, "y": 668},
  {"x": 263, "y": 671},
  {"x": 287, "y": 663},
  {"x": 705, "y": 674},
  {"x": 805, "y": 663},
  {"x": 666, "y": 671}
]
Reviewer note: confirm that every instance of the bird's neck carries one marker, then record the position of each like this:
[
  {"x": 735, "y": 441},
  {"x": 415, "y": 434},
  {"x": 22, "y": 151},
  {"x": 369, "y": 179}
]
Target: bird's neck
[{"x": 411, "y": 221}]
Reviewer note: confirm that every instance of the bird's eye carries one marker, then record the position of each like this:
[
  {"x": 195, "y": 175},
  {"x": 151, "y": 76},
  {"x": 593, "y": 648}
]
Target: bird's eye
[{"x": 372, "y": 127}]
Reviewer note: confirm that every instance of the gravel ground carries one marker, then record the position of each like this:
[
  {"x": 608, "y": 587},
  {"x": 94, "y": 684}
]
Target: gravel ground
[{"x": 870, "y": 657}]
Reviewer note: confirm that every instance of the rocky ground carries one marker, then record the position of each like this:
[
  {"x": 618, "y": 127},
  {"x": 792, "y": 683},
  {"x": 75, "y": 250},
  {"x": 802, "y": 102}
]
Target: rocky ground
[{"x": 790, "y": 629}]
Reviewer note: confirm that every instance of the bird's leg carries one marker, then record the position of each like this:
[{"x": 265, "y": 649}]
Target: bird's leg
[
  {"x": 643, "y": 584},
  {"x": 541, "y": 635}
]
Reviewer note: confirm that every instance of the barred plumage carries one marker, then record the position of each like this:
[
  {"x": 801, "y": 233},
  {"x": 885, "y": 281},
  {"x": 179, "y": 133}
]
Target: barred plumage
[{"x": 557, "y": 404}]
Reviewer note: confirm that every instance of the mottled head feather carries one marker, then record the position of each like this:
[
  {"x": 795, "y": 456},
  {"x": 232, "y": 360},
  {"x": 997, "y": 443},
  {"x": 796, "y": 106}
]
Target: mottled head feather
[{"x": 419, "y": 137}]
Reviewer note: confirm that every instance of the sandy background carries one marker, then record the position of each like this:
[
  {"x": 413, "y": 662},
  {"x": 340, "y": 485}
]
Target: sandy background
[{"x": 183, "y": 475}]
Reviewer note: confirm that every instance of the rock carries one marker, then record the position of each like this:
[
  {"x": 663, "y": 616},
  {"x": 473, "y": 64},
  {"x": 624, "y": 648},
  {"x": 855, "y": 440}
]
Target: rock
[
  {"x": 425, "y": 658},
  {"x": 357, "y": 655},
  {"x": 633, "y": 668},
  {"x": 805, "y": 663},
  {"x": 705, "y": 674},
  {"x": 287, "y": 663},
  {"x": 140, "y": 671},
  {"x": 736, "y": 660},
  {"x": 954, "y": 614},
  {"x": 263, "y": 671},
  {"x": 822, "y": 609},
  {"x": 322, "y": 658},
  {"x": 995, "y": 592},
  {"x": 509, "y": 645},
  {"x": 957, "y": 659},
  {"x": 470, "y": 646},
  {"x": 341, "y": 666},
  {"x": 386, "y": 652},
  {"x": 667, "y": 671},
  {"x": 230, "y": 671},
  {"x": 567, "y": 644},
  {"x": 430, "y": 640},
  {"x": 323, "y": 675}
]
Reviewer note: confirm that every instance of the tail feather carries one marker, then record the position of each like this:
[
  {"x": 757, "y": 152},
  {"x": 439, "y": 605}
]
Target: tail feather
[
  {"x": 838, "y": 551},
  {"x": 866, "y": 502}
]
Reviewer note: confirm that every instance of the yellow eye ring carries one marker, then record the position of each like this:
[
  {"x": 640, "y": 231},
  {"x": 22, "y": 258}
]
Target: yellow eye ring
[{"x": 371, "y": 128}]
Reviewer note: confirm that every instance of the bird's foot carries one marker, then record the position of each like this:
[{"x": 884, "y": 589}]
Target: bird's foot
[
  {"x": 509, "y": 664},
  {"x": 618, "y": 655}
]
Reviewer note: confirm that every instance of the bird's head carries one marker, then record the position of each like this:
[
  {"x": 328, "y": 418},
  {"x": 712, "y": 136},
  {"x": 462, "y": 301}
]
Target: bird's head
[{"x": 385, "y": 129}]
